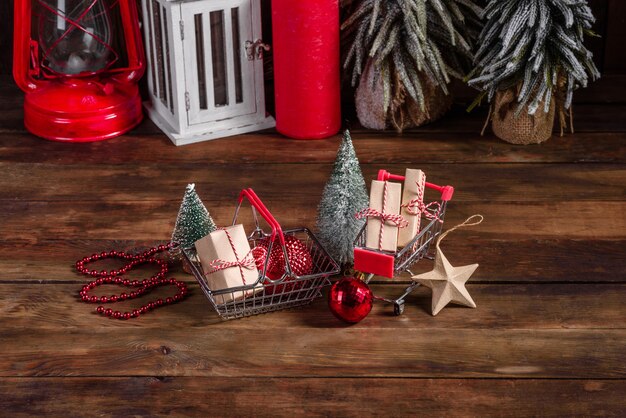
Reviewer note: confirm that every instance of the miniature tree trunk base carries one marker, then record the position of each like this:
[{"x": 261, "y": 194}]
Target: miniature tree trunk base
[
  {"x": 404, "y": 112},
  {"x": 524, "y": 129}
]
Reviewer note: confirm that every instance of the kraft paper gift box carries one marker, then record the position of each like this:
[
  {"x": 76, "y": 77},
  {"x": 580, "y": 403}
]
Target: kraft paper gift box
[
  {"x": 216, "y": 249},
  {"x": 413, "y": 179},
  {"x": 375, "y": 226}
]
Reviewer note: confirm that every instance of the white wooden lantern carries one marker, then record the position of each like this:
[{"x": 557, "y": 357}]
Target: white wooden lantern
[{"x": 205, "y": 68}]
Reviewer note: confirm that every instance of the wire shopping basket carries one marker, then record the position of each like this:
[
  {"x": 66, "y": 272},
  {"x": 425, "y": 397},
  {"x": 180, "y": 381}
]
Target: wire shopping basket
[
  {"x": 268, "y": 295},
  {"x": 389, "y": 264}
]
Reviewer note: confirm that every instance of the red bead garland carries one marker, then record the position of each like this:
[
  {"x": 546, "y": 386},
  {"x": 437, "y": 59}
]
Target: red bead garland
[{"x": 142, "y": 287}]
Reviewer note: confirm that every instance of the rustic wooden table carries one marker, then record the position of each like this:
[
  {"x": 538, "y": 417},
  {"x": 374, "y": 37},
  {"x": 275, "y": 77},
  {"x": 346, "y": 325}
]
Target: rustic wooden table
[{"x": 548, "y": 336}]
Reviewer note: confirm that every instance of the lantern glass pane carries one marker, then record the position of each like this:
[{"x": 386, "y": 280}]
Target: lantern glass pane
[
  {"x": 201, "y": 66},
  {"x": 75, "y": 36},
  {"x": 218, "y": 54},
  {"x": 158, "y": 41},
  {"x": 168, "y": 66},
  {"x": 234, "y": 13},
  {"x": 150, "y": 41}
]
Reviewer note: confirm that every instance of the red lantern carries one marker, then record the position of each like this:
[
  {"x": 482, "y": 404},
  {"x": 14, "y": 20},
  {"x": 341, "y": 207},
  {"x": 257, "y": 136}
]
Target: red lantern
[{"x": 78, "y": 61}]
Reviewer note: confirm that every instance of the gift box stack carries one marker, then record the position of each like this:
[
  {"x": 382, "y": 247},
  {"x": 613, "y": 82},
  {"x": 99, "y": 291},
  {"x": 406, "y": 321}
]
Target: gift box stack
[{"x": 394, "y": 215}]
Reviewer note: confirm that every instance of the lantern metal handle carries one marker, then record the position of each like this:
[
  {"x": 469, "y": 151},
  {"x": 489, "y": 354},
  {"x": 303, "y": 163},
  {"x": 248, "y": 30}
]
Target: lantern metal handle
[
  {"x": 134, "y": 44},
  {"x": 23, "y": 47},
  {"x": 254, "y": 50}
]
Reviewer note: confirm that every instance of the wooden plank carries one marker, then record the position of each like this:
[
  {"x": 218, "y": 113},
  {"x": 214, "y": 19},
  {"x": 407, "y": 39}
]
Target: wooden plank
[
  {"x": 357, "y": 351},
  {"x": 154, "y": 220},
  {"x": 371, "y": 147},
  {"x": 6, "y": 38},
  {"x": 504, "y": 307},
  {"x": 501, "y": 260},
  {"x": 224, "y": 396},
  {"x": 615, "y": 50},
  {"x": 610, "y": 89},
  {"x": 141, "y": 181},
  {"x": 597, "y": 44}
]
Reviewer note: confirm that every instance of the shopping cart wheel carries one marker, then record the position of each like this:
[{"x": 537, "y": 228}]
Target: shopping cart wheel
[{"x": 398, "y": 308}]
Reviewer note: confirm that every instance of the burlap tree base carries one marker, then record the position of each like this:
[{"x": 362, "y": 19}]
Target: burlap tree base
[
  {"x": 523, "y": 129},
  {"x": 403, "y": 112}
]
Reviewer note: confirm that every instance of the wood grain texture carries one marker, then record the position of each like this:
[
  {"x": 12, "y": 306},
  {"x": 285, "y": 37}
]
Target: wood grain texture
[
  {"x": 358, "y": 351},
  {"x": 611, "y": 88},
  {"x": 501, "y": 260},
  {"x": 372, "y": 148},
  {"x": 596, "y": 45},
  {"x": 6, "y": 38},
  {"x": 547, "y": 339},
  {"x": 145, "y": 220},
  {"x": 615, "y": 52},
  {"x": 271, "y": 397},
  {"x": 33, "y": 307},
  {"x": 150, "y": 182}
]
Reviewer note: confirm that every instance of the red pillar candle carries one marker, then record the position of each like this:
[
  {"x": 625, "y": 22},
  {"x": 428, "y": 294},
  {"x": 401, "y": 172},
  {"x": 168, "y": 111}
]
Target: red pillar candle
[{"x": 306, "y": 67}]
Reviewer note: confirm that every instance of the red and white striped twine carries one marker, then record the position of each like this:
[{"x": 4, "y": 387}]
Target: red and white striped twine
[
  {"x": 247, "y": 262},
  {"x": 417, "y": 206},
  {"x": 397, "y": 220}
]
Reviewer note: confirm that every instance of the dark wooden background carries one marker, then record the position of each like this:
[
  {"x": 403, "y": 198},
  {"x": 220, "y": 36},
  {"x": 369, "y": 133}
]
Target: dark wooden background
[
  {"x": 609, "y": 50},
  {"x": 547, "y": 339}
]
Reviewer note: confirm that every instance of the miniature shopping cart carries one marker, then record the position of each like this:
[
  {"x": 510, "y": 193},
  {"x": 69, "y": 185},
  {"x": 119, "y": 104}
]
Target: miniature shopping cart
[
  {"x": 284, "y": 292},
  {"x": 389, "y": 264}
]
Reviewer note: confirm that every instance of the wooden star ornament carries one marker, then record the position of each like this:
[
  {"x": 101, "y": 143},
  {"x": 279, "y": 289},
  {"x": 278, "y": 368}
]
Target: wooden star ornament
[{"x": 446, "y": 281}]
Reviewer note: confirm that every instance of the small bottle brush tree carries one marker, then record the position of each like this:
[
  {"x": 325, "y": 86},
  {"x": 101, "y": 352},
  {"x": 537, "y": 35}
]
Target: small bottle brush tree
[
  {"x": 530, "y": 60},
  {"x": 403, "y": 54},
  {"x": 344, "y": 195},
  {"x": 193, "y": 222}
]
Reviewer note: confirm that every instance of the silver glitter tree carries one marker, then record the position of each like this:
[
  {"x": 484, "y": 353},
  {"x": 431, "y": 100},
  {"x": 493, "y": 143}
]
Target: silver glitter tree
[
  {"x": 535, "y": 46},
  {"x": 193, "y": 221},
  {"x": 411, "y": 43},
  {"x": 344, "y": 195}
]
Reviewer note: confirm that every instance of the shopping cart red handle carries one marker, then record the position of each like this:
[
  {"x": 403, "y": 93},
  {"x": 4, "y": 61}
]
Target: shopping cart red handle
[
  {"x": 265, "y": 213},
  {"x": 446, "y": 191}
]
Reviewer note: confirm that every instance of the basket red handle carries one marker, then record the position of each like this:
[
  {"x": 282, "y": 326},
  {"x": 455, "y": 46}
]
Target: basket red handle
[
  {"x": 446, "y": 191},
  {"x": 256, "y": 203},
  {"x": 277, "y": 231}
]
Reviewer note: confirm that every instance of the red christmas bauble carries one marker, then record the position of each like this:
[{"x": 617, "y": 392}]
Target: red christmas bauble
[
  {"x": 350, "y": 300},
  {"x": 299, "y": 256},
  {"x": 259, "y": 253}
]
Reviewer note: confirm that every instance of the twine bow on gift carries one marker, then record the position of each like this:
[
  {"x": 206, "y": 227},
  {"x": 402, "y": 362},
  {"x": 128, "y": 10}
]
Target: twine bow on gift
[
  {"x": 417, "y": 206},
  {"x": 397, "y": 220},
  {"x": 248, "y": 262}
]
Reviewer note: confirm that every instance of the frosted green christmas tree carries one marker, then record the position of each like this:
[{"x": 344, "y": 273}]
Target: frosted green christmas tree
[
  {"x": 344, "y": 195},
  {"x": 193, "y": 221},
  {"x": 535, "y": 47},
  {"x": 413, "y": 48}
]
